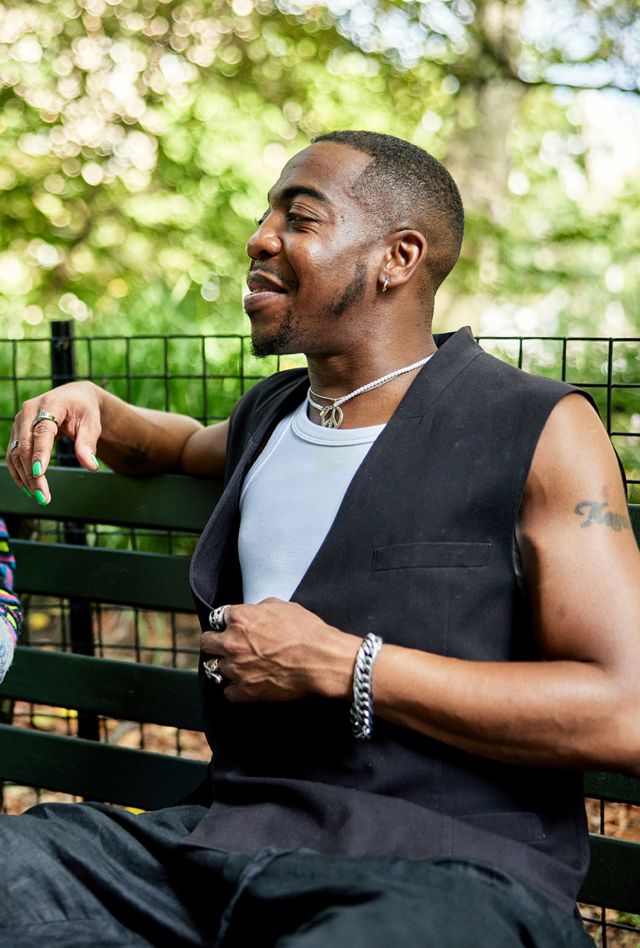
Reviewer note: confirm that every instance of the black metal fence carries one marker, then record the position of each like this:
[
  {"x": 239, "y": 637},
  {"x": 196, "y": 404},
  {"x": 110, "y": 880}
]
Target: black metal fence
[{"x": 204, "y": 376}]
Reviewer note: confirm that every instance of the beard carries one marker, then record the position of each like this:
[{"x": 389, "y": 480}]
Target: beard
[
  {"x": 278, "y": 342},
  {"x": 283, "y": 340}
]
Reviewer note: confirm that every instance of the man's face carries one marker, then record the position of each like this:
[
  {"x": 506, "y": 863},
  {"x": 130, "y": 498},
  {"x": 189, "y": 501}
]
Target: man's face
[{"x": 312, "y": 256}]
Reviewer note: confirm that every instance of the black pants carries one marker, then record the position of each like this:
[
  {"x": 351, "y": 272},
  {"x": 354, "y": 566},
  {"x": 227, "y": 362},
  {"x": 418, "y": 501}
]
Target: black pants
[{"x": 91, "y": 876}]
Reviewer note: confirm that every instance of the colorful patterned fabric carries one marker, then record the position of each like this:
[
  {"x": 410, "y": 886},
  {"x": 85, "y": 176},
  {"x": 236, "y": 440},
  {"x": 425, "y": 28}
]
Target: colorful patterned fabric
[{"x": 11, "y": 614}]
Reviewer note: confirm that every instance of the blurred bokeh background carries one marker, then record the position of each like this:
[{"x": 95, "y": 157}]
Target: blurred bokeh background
[{"x": 139, "y": 137}]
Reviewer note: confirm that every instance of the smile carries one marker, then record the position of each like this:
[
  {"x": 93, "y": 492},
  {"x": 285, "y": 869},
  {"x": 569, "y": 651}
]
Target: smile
[{"x": 260, "y": 281}]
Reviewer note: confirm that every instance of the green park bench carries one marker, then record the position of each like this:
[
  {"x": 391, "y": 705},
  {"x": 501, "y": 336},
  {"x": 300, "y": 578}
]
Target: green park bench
[{"x": 130, "y": 691}]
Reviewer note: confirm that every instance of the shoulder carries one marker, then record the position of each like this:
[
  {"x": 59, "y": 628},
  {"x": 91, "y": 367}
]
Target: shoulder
[
  {"x": 574, "y": 446},
  {"x": 266, "y": 395},
  {"x": 266, "y": 400}
]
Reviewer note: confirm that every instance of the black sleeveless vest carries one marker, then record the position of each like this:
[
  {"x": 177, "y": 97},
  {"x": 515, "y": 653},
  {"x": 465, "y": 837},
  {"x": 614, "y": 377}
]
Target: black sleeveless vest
[{"x": 420, "y": 553}]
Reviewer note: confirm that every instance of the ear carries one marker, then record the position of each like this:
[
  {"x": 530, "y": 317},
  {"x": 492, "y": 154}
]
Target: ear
[{"x": 404, "y": 253}]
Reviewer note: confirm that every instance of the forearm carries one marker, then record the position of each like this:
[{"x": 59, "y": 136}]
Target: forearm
[
  {"x": 556, "y": 713},
  {"x": 559, "y": 713},
  {"x": 140, "y": 440}
]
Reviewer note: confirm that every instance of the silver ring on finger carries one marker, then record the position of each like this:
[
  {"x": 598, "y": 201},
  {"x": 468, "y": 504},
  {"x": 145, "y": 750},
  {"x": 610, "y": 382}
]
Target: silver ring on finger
[
  {"x": 14, "y": 445},
  {"x": 210, "y": 668},
  {"x": 217, "y": 620},
  {"x": 44, "y": 416}
]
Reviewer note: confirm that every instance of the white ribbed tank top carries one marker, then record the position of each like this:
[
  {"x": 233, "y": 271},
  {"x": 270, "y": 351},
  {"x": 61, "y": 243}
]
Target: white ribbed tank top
[{"x": 290, "y": 498}]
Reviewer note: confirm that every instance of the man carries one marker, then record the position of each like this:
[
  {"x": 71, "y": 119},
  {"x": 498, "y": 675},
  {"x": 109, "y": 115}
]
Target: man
[{"x": 410, "y": 516}]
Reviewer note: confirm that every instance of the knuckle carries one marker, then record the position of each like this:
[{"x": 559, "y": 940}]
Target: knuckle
[{"x": 236, "y": 615}]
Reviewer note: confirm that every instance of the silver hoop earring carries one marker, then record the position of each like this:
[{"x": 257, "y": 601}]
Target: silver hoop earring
[{"x": 385, "y": 283}]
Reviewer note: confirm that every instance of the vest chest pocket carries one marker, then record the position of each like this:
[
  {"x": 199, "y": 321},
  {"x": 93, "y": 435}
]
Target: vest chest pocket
[{"x": 431, "y": 555}]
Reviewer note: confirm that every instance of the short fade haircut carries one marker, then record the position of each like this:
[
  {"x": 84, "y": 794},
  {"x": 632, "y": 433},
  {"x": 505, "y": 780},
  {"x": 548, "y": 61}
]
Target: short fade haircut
[{"x": 407, "y": 188}]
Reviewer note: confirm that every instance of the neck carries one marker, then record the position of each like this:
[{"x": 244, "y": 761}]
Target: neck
[
  {"x": 335, "y": 377},
  {"x": 336, "y": 374}
]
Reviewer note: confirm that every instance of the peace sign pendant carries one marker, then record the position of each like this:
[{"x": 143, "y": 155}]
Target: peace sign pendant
[{"x": 331, "y": 416}]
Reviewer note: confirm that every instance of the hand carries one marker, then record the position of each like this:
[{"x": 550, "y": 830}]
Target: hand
[
  {"x": 76, "y": 407},
  {"x": 279, "y": 651}
]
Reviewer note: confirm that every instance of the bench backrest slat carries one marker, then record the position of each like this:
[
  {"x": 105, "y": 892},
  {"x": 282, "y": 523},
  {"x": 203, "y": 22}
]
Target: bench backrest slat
[
  {"x": 613, "y": 787},
  {"x": 145, "y": 580},
  {"x": 96, "y": 771},
  {"x": 613, "y": 874},
  {"x": 127, "y": 690},
  {"x": 165, "y": 502}
]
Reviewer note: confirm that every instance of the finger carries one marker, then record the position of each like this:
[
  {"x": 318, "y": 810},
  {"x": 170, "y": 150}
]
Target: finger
[
  {"x": 16, "y": 470},
  {"x": 43, "y": 437},
  {"x": 16, "y": 454},
  {"x": 86, "y": 454},
  {"x": 238, "y": 613},
  {"x": 233, "y": 691},
  {"x": 212, "y": 643},
  {"x": 42, "y": 440}
]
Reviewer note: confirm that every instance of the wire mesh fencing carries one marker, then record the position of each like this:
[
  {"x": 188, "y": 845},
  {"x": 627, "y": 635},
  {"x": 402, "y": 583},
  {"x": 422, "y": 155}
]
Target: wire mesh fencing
[{"x": 203, "y": 376}]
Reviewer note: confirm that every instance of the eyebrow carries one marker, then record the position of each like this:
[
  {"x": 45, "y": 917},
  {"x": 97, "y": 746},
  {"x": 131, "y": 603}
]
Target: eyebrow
[{"x": 294, "y": 190}]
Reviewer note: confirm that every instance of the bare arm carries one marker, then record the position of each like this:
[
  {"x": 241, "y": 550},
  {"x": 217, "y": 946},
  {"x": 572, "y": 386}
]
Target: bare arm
[
  {"x": 131, "y": 440},
  {"x": 580, "y": 706},
  {"x": 577, "y": 708}
]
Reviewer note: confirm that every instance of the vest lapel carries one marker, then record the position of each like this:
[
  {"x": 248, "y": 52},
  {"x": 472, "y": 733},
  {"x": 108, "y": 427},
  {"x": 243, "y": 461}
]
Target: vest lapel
[
  {"x": 206, "y": 563},
  {"x": 372, "y": 479}
]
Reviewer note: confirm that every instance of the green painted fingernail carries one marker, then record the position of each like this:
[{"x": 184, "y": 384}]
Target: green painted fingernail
[
  {"x": 37, "y": 469},
  {"x": 41, "y": 498},
  {"x": 95, "y": 461},
  {"x": 25, "y": 490}
]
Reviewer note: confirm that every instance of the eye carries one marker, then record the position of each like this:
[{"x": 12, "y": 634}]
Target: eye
[
  {"x": 261, "y": 220},
  {"x": 294, "y": 218}
]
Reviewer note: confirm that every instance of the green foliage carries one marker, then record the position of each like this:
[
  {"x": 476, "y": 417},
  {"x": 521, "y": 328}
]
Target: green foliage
[{"x": 139, "y": 138}]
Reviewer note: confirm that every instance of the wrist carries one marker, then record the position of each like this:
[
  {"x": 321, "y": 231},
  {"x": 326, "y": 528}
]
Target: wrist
[
  {"x": 334, "y": 677},
  {"x": 362, "y": 704}
]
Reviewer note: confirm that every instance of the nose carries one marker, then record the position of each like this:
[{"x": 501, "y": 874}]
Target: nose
[{"x": 264, "y": 241}]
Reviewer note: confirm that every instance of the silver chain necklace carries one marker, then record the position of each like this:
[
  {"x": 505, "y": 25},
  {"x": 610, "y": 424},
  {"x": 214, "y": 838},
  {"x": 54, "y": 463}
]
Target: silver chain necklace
[{"x": 332, "y": 416}]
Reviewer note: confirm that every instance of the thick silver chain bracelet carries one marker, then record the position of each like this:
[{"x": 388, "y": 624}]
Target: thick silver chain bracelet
[{"x": 362, "y": 707}]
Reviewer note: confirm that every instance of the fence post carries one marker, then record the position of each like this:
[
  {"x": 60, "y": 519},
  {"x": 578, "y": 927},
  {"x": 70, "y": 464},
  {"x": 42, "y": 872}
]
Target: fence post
[{"x": 63, "y": 370}]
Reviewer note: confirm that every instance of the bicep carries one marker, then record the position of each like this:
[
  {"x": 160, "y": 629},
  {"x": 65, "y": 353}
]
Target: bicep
[
  {"x": 580, "y": 558},
  {"x": 205, "y": 452}
]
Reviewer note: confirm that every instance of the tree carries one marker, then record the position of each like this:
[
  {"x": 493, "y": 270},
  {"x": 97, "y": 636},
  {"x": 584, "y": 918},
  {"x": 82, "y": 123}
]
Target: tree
[{"x": 140, "y": 136}]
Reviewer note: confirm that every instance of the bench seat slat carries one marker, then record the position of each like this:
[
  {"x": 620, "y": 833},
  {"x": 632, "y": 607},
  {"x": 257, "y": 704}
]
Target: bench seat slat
[
  {"x": 125, "y": 690},
  {"x": 100, "y": 772},
  {"x": 166, "y": 501},
  {"x": 146, "y": 580}
]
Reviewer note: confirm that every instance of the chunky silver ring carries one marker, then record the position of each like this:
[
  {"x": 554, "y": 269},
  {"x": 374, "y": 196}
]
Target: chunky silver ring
[
  {"x": 217, "y": 621},
  {"x": 44, "y": 416},
  {"x": 210, "y": 668},
  {"x": 14, "y": 444}
]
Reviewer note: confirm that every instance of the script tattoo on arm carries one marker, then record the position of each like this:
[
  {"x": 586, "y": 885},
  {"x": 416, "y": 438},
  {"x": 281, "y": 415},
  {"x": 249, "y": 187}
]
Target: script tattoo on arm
[{"x": 595, "y": 513}]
